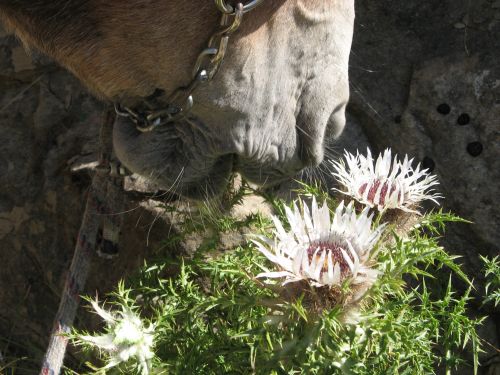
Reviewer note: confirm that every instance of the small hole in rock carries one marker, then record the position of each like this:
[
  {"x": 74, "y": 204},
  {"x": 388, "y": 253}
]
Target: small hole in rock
[
  {"x": 397, "y": 119},
  {"x": 428, "y": 163},
  {"x": 444, "y": 109},
  {"x": 463, "y": 119},
  {"x": 475, "y": 148}
]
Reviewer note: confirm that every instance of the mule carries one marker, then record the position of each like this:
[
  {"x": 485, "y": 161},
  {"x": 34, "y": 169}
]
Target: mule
[{"x": 278, "y": 97}]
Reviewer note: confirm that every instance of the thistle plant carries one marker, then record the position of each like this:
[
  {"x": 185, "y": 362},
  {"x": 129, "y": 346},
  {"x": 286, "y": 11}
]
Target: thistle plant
[
  {"x": 386, "y": 183},
  {"x": 330, "y": 255},
  {"x": 127, "y": 339},
  {"x": 231, "y": 312},
  {"x": 319, "y": 250}
]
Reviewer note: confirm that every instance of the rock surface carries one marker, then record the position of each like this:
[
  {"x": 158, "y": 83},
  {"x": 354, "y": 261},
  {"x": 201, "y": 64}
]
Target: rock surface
[{"x": 425, "y": 80}]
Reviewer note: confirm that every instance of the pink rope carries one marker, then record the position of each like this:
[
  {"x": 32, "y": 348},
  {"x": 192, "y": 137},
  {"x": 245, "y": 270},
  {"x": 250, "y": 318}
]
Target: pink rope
[{"x": 80, "y": 264}]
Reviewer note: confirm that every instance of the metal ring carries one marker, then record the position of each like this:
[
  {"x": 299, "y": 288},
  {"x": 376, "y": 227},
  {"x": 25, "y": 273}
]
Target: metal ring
[
  {"x": 120, "y": 111},
  {"x": 226, "y": 8},
  {"x": 201, "y": 57},
  {"x": 223, "y": 7}
]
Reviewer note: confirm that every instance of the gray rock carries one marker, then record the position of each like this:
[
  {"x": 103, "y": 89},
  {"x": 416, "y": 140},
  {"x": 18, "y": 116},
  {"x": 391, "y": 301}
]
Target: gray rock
[
  {"x": 464, "y": 144},
  {"x": 407, "y": 60}
]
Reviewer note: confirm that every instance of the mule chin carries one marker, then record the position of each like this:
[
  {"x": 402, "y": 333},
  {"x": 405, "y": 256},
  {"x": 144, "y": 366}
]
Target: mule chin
[{"x": 173, "y": 158}]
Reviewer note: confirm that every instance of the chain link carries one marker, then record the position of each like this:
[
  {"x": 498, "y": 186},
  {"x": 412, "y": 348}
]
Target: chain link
[
  {"x": 226, "y": 8},
  {"x": 206, "y": 67}
]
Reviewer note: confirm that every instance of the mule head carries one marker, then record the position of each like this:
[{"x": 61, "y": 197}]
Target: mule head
[{"x": 280, "y": 93}]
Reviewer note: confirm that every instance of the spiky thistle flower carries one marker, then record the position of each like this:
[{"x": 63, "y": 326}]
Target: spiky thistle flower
[
  {"x": 321, "y": 250},
  {"x": 385, "y": 184},
  {"x": 126, "y": 338}
]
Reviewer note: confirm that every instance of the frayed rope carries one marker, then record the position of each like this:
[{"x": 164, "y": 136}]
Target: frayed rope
[{"x": 103, "y": 201}]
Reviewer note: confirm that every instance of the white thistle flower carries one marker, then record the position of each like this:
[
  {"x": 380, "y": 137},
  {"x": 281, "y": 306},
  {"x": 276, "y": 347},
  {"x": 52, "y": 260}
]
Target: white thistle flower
[
  {"x": 126, "y": 338},
  {"x": 321, "y": 250},
  {"x": 385, "y": 184}
]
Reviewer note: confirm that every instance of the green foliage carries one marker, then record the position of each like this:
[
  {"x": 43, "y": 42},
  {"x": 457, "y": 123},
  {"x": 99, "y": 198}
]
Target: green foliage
[
  {"x": 215, "y": 317},
  {"x": 492, "y": 273}
]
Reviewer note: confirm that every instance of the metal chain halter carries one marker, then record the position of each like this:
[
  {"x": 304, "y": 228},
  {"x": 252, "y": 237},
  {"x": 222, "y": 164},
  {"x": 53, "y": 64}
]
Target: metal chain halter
[{"x": 206, "y": 67}]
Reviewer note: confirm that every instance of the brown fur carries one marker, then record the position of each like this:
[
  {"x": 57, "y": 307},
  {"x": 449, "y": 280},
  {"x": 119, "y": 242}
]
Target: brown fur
[{"x": 122, "y": 50}]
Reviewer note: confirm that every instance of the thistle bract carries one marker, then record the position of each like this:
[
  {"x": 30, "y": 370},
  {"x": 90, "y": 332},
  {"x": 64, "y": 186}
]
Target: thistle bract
[
  {"x": 385, "y": 183},
  {"x": 322, "y": 250},
  {"x": 126, "y": 338}
]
